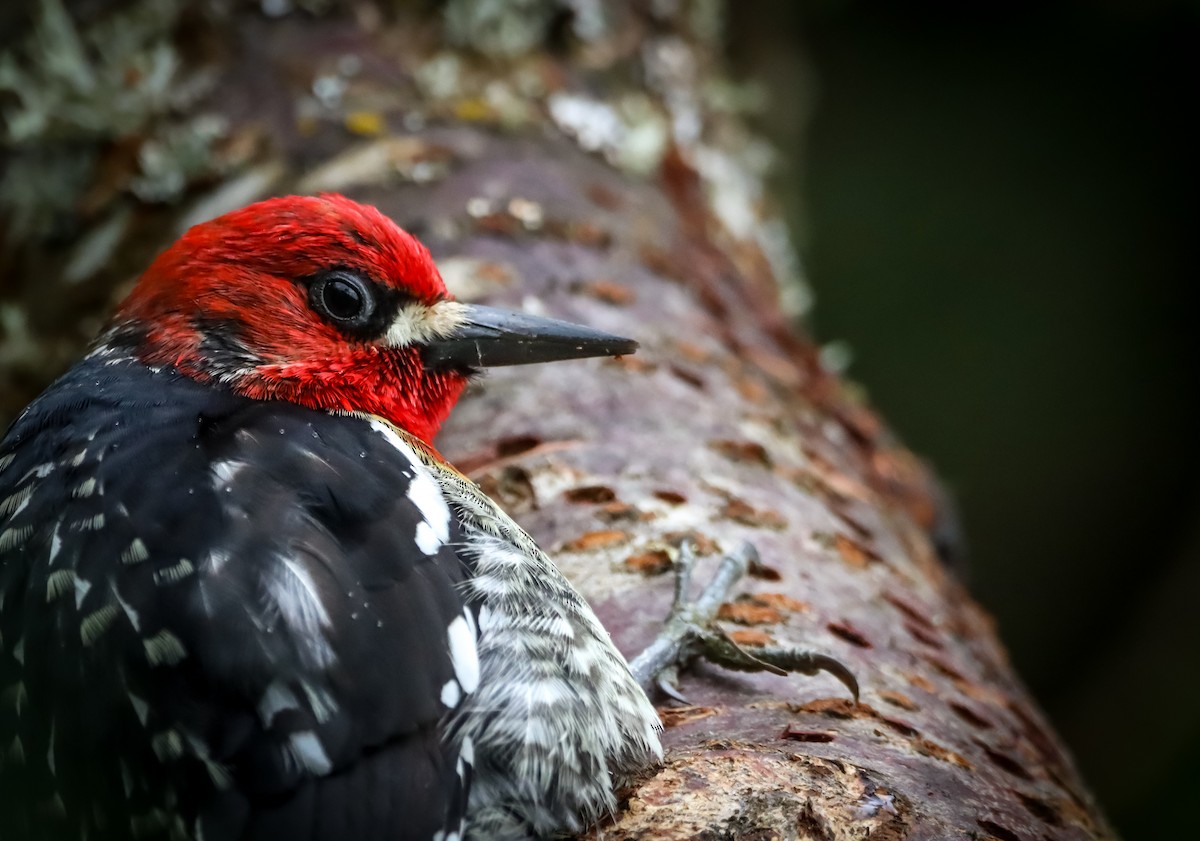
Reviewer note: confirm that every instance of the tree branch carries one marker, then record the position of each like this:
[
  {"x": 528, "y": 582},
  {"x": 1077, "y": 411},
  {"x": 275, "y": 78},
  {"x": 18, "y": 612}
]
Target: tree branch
[{"x": 573, "y": 158}]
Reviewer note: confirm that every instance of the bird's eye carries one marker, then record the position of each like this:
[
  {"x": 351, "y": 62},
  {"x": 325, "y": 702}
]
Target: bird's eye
[{"x": 344, "y": 297}]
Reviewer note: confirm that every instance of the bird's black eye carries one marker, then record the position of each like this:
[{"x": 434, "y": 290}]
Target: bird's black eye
[{"x": 346, "y": 298}]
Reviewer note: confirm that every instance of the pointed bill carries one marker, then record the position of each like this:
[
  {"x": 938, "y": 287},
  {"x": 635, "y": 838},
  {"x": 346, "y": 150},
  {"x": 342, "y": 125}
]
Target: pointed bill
[{"x": 489, "y": 337}]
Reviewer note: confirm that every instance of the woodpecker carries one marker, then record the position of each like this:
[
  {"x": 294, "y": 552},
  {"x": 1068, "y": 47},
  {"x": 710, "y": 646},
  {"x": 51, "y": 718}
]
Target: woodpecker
[{"x": 243, "y": 597}]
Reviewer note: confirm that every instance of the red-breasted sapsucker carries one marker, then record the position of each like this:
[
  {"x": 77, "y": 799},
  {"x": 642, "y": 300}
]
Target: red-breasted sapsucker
[{"x": 242, "y": 597}]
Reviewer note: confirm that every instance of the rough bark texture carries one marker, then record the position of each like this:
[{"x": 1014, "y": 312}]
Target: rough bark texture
[{"x": 573, "y": 159}]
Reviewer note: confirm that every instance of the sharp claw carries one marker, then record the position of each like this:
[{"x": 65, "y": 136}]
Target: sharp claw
[
  {"x": 666, "y": 685},
  {"x": 839, "y": 671},
  {"x": 721, "y": 649},
  {"x": 810, "y": 663},
  {"x": 690, "y": 630}
]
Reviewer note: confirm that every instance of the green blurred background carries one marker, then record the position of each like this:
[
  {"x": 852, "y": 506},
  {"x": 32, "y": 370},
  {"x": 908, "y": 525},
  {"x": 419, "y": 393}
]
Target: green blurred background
[{"x": 992, "y": 201}]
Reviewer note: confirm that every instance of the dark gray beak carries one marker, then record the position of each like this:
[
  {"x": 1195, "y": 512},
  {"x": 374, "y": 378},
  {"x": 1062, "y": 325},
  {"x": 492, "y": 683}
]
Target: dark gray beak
[{"x": 492, "y": 337}]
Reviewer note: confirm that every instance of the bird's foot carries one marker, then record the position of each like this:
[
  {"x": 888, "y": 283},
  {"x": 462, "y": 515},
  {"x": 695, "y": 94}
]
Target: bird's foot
[{"x": 691, "y": 631}]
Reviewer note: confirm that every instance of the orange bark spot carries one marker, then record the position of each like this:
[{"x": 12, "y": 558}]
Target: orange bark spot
[
  {"x": 654, "y": 562},
  {"x": 610, "y": 292},
  {"x": 750, "y": 637},
  {"x": 742, "y": 512},
  {"x": 593, "y": 540},
  {"x": 853, "y": 552},
  {"x": 748, "y": 613},
  {"x": 781, "y": 601}
]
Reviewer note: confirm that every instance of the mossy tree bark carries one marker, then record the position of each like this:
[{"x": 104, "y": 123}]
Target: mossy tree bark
[{"x": 583, "y": 159}]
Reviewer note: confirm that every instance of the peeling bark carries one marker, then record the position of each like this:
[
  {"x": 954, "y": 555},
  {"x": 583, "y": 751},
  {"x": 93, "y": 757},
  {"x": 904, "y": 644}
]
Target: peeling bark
[{"x": 591, "y": 179}]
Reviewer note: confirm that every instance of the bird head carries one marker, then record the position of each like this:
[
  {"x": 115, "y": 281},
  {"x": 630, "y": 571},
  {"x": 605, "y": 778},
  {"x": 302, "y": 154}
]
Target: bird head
[{"x": 327, "y": 303}]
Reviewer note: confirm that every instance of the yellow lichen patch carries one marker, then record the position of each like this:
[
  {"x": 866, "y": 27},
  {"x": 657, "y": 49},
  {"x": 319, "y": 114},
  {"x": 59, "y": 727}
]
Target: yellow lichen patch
[{"x": 365, "y": 123}]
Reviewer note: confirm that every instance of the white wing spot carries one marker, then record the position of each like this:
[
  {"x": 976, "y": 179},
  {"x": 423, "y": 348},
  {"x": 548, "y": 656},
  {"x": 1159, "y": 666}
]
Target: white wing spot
[
  {"x": 217, "y": 558},
  {"x": 135, "y": 552},
  {"x": 300, "y": 605},
  {"x": 13, "y": 537},
  {"x": 55, "y": 543},
  {"x": 451, "y": 694},
  {"x": 424, "y": 492},
  {"x": 306, "y": 747},
  {"x": 134, "y": 618},
  {"x": 164, "y": 648},
  {"x": 96, "y": 623},
  {"x": 427, "y": 496},
  {"x": 14, "y": 503},
  {"x": 91, "y": 523},
  {"x": 82, "y": 586},
  {"x": 58, "y": 583},
  {"x": 225, "y": 471},
  {"x": 296, "y": 594},
  {"x": 276, "y": 699},
  {"x": 464, "y": 656},
  {"x": 140, "y": 708},
  {"x": 320, "y": 701},
  {"x": 171, "y": 574},
  {"x": 41, "y": 471},
  {"x": 167, "y": 745}
]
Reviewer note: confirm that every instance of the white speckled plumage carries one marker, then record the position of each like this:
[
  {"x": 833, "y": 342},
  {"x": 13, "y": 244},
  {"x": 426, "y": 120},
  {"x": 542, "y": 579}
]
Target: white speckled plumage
[{"x": 574, "y": 722}]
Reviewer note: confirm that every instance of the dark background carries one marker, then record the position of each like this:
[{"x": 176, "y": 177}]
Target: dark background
[{"x": 993, "y": 208}]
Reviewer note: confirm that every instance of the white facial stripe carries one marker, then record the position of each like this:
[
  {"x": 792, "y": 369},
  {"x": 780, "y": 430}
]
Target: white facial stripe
[{"x": 418, "y": 324}]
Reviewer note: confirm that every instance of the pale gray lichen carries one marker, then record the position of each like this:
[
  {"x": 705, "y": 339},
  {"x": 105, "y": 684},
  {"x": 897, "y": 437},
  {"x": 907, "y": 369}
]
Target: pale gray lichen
[
  {"x": 74, "y": 89},
  {"x": 631, "y": 132},
  {"x": 177, "y": 155},
  {"x": 589, "y": 18},
  {"x": 106, "y": 82},
  {"x": 499, "y": 28}
]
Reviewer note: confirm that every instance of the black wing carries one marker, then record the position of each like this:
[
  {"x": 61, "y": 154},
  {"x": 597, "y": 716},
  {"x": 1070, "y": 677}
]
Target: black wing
[{"x": 226, "y": 617}]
